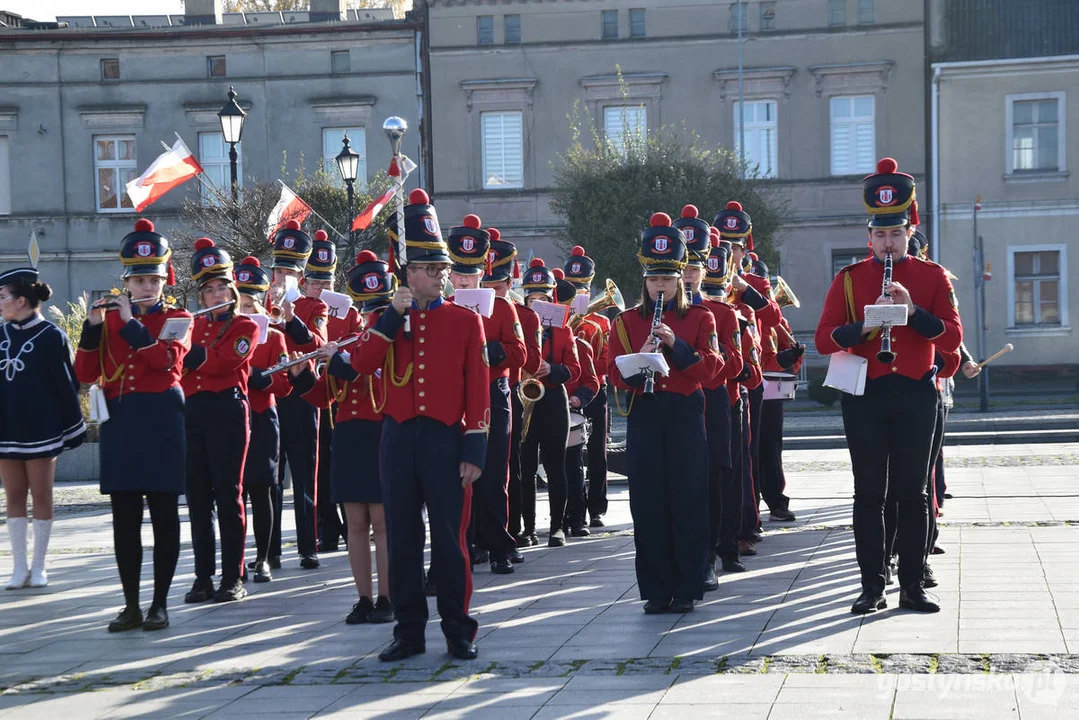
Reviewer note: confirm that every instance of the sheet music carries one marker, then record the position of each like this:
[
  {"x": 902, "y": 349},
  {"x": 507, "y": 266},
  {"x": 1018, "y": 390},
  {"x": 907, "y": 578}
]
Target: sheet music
[
  {"x": 482, "y": 300},
  {"x": 292, "y": 289},
  {"x": 175, "y": 328},
  {"x": 846, "y": 372},
  {"x": 636, "y": 363},
  {"x": 263, "y": 321},
  {"x": 550, "y": 314},
  {"x": 338, "y": 303},
  {"x": 878, "y": 315}
]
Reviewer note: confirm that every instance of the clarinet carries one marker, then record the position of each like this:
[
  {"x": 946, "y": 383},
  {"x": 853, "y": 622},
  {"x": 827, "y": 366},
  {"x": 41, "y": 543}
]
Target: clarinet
[
  {"x": 657, "y": 319},
  {"x": 886, "y": 355}
]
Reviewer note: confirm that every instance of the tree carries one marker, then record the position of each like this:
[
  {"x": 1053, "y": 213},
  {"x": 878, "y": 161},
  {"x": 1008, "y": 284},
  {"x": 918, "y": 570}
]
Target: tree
[
  {"x": 607, "y": 192},
  {"x": 400, "y": 7}
]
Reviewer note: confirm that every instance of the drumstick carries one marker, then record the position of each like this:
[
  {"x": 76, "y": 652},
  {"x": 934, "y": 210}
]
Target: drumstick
[{"x": 1003, "y": 351}]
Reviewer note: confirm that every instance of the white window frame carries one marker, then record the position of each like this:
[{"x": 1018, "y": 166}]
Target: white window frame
[
  {"x": 870, "y": 163},
  {"x": 867, "y": 12},
  {"x": 486, "y": 172},
  {"x": 213, "y": 166},
  {"x": 1064, "y": 327},
  {"x": 834, "y": 7},
  {"x": 121, "y": 190},
  {"x": 1009, "y": 128},
  {"x": 603, "y": 25},
  {"x": 640, "y": 13},
  {"x": 752, "y": 127},
  {"x": 639, "y": 111},
  {"x": 357, "y": 140},
  {"x": 5, "y": 175}
]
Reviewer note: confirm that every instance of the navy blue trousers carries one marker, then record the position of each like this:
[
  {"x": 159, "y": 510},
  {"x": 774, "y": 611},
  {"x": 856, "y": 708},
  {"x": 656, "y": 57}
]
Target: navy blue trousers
[
  {"x": 724, "y": 495},
  {"x": 667, "y": 460},
  {"x": 514, "y": 488},
  {"x": 576, "y": 500},
  {"x": 730, "y": 517},
  {"x": 490, "y": 501},
  {"x": 771, "y": 480},
  {"x": 331, "y": 528},
  {"x": 299, "y": 451},
  {"x": 751, "y": 519},
  {"x": 596, "y": 453},
  {"x": 419, "y": 464}
]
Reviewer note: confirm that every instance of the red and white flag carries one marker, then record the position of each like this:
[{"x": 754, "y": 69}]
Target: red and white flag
[
  {"x": 170, "y": 169},
  {"x": 290, "y": 207},
  {"x": 363, "y": 220},
  {"x": 406, "y": 165}
]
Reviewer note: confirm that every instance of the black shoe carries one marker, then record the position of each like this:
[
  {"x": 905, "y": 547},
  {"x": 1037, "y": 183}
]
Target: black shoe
[
  {"x": 478, "y": 557},
  {"x": 327, "y": 547},
  {"x": 533, "y": 539},
  {"x": 274, "y": 562},
  {"x": 157, "y": 618},
  {"x": 868, "y": 602},
  {"x": 711, "y": 582},
  {"x": 251, "y": 564},
  {"x": 745, "y": 548},
  {"x": 579, "y": 531},
  {"x": 916, "y": 598},
  {"x": 557, "y": 539},
  {"x": 516, "y": 557},
  {"x": 201, "y": 591},
  {"x": 936, "y": 550},
  {"x": 309, "y": 562},
  {"x": 462, "y": 649},
  {"x": 128, "y": 619},
  {"x": 655, "y": 607},
  {"x": 262, "y": 572},
  {"x": 890, "y": 570},
  {"x": 383, "y": 612},
  {"x": 501, "y": 566},
  {"x": 230, "y": 592},
  {"x": 596, "y": 522},
  {"x": 682, "y": 606},
  {"x": 781, "y": 515},
  {"x": 400, "y": 649},
  {"x": 361, "y": 612},
  {"x": 947, "y": 496},
  {"x": 732, "y": 564},
  {"x": 929, "y": 580}
]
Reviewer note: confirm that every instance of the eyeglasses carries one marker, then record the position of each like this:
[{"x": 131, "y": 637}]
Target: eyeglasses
[{"x": 434, "y": 271}]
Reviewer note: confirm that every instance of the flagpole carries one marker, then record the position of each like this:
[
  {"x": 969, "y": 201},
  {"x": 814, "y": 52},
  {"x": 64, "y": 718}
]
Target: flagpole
[
  {"x": 315, "y": 213},
  {"x": 395, "y": 128}
]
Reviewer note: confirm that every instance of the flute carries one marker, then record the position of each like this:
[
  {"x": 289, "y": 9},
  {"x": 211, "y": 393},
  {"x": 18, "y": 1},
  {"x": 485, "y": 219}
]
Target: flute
[
  {"x": 212, "y": 308},
  {"x": 286, "y": 364}
]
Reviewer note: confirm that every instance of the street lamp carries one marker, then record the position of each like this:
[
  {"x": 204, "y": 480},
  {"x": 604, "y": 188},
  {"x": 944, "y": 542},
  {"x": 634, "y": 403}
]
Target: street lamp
[
  {"x": 232, "y": 127},
  {"x": 348, "y": 164}
]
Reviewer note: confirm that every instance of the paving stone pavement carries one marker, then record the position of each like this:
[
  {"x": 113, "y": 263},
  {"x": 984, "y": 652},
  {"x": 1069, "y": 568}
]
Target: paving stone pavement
[{"x": 564, "y": 636}]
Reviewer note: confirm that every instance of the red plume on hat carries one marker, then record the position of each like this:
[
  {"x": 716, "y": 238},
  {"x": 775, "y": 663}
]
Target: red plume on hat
[
  {"x": 365, "y": 256},
  {"x": 660, "y": 219},
  {"x": 251, "y": 260},
  {"x": 535, "y": 262},
  {"x": 321, "y": 235},
  {"x": 292, "y": 224},
  {"x": 558, "y": 274},
  {"x": 419, "y": 196},
  {"x": 578, "y": 251}
]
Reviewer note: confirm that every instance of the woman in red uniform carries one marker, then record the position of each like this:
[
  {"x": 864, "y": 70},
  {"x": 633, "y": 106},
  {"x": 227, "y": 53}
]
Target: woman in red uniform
[
  {"x": 142, "y": 442},
  {"x": 218, "y": 424},
  {"x": 260, "y": 466},
  {"x": 666, "y": 445}
]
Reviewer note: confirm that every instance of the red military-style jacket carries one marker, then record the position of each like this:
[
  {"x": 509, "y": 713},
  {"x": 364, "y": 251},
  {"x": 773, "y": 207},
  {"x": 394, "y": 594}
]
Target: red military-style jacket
[
  {"x": 340, "y": 327},
  {"x": 128, "y": 357},
  {"x": 727, "y": 334},
  {"x": 220, "y": 355},
  {"x": 263, "y": 391},
  {"x": 339, "y": 383},
  {"x": 559, "y": 350},
  {"x": 307, "y": 329},
  {"x": 693, "y": 359},
  {"x": 440, "y": 372},
  {"x": 585, "y": 387},
  {"x": 776, "y": 341},
  {"x": 530, "y": 328},
  {"x": 596, "y": 330},
  {"x": 770, "y": 313},
  {"x": 751, "y": 355},
  {"x": 505, "y": 340},
  {"x": 934, "y": 326}
]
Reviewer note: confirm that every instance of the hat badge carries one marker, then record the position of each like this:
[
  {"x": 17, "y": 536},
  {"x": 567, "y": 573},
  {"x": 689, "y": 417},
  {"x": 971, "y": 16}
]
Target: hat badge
[
  {"x": 144, "y": 249},
  {"x": 492, "y": 256},
  {"x": 713, "y": 264},
  {"x": 662, "y": 245},
  {"x": 688, "y": 232},
  {"x": 288, "y": 243},
  {"x": 371, "y": 281},
  {"x": 430, "y": 225},
  {"x": 208, "y": 261},
  {"x": 323, "y": 255},
  {"x": 244, "y": 276},
  {"x": 467, "y": 244},
  {"x": 732, "y": 223},
  {"x": 886, "y": 195},
  {"x": 575, "y": 268}
]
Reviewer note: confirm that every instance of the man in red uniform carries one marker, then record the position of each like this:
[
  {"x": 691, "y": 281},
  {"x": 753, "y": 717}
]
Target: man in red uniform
[
  {"x": 889, "y": 426},
  {"x": 434, "y": 436},
  {"x": 469, "y": 247}
]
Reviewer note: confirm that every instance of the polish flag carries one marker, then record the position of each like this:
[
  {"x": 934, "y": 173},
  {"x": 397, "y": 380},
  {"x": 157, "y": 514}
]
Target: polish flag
[
  {"x": 171, "y": 168},
  {"x": 289, "y": 207},
  {"x": 406, "y": 165},
  {"x": 363, "y": 220}
]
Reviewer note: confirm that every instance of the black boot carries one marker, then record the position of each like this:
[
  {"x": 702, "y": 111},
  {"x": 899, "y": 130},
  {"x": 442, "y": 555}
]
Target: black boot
[
  {"x": 711, "y": 582},
  {"x": 869, "y": 601},
  {"x": 929, "y": 580},
  {"x": 916, "y": 598},
  {"x": 157, "y": 618},
  {"x": 128, "y": 619},
  {"x": 732, "y": 564},
  {"x": 201, "y": 591}
]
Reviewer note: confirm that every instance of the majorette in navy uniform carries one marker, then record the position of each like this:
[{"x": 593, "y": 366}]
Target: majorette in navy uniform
[
  {"x": 142, "y": 444},
  {"x": 260, "y": 467},
  {"x": 595, "y": 328},
  {"x": 218, "y": 425},
  {"x": 356, "y": 433},
  {"x": 39, "y": 415},
  {"x": 304, "y": 325},
  {"x": 469, "y": 248},
  {"x": 666, "y": 445},
  {"x": 434, "y": 435},
  {"x": 889, "y": 427},
  {"x": 546, "y": 424}
]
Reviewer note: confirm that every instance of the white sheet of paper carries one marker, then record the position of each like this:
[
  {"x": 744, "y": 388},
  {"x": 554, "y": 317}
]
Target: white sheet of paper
[
  {"x": 877, "y": 315},
  {"x": 292, "y": 289},
  {"x": 263, "y": 321},
  {"x": 550, "y": 314},
  {"x": 338, "y": 303},
  {"x": 99, "y": 408},
  {"x": 174, "y": 329},
  {"x": 482, "y": 300},
  {"x": 630, "y": 365},
  {"x": 846, "y": 372},
  {"x": 580, "y": 303}
]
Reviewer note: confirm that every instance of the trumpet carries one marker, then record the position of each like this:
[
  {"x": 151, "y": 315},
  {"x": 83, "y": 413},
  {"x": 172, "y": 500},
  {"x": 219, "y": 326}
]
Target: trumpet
[
  {"x": 286, "y": 364},
  {"x": 657, "y": 320},
  {"x": 610, "y": 297},
  {"x": 885, "y": 355}
]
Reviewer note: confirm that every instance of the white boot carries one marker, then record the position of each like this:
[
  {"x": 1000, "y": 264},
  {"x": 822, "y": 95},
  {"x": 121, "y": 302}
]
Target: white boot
[
  {"x": 16, "y": 530},
  {"x": 42, "y": 530}
]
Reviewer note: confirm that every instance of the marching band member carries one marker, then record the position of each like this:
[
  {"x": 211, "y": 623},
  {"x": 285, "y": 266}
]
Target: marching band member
[
  {"x": 35, "y": 371},
  {"x": 142, "y": 443},
  {"x": 434, "y": 436},
  {"x": 666, "y": 444},
  {"x": 501, "y": 269},
  {"x": 217, "y": 422},
  {"x": 469, "y": 248},
  {"x": 304, "y": 326},
  {"x": 546, "y": 427},
  {"x": 595, "y": 328},
  {"x": 357, "y": 431},
  {"x": 888, "y": 427}
]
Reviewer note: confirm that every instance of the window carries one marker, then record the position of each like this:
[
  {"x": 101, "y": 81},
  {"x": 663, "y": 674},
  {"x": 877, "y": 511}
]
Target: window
[
  {"x": 331, "y": 145},
  {"x": 609, "y": 20},
  {"x": 503, "y": 150},
  {"x": 853, "y": 136},
  {"x": 843, "y": 258},
  {"x": 760, "y": 133},
  {"x": 215, "y": 66},
  {"x": 636, "y": 23},
  {"x": 485, "y": 30},
  {"x": 1035, "y": 130},
  {"x": 1038, "y": 286},
  {"x": 5, "y": 177},
  {"x": 511, "y": 25},
  {"x": 340, "y": 62},
  {"x": 110, "y": 69},
  {"x": 738, "y": 15},
  {"x": 768, "y": 16},
  {"x": 114, "y": 167},
  {"x": 214, "y": 158},
  {"x": 624, "y": 122},
  {"x": 837, "y": 13},
  {"x": 867, "y": 12}
]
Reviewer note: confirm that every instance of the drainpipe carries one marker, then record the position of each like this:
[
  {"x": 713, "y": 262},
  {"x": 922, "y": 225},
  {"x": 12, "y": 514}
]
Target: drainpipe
[{"x": 934, "y": 166}]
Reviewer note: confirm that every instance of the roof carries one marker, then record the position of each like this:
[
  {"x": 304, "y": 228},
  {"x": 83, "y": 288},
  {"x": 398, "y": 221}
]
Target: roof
[
  {"x": 255, "y": 19},
  {"x": 1007, "y": 29}
]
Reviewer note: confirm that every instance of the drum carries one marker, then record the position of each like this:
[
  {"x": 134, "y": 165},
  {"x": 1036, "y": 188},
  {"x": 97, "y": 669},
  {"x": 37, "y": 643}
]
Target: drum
[
  {"x": 580, "y": 428},
  {"x": 780, "y": 386}
]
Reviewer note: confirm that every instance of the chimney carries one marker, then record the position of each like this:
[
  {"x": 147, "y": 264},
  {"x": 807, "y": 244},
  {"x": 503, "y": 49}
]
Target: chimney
[
  {"x": 202, "y": 12},
  {"x": 329, "y": 10}
]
